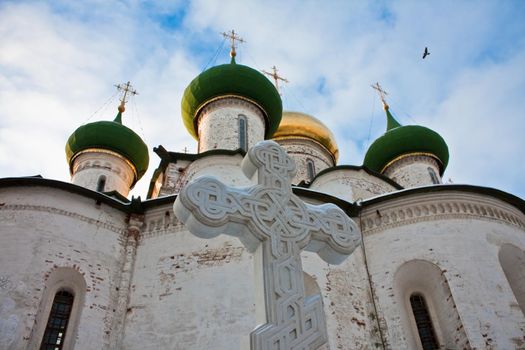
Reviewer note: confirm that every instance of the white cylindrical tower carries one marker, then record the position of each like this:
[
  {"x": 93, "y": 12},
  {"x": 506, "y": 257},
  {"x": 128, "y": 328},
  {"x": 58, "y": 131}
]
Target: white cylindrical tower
[
  {"x": 230, "y": 122},
  {"x": 106, "y": 156},
  {"x": 231, "y": 107},
  {"x": 411, "y": 155},
  {"x": 103, "y": 170},
  {"x": 309, "y": 142}
]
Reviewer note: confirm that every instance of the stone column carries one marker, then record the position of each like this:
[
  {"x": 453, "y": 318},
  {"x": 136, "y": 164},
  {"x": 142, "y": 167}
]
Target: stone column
[{"x": 128, "y": 265}]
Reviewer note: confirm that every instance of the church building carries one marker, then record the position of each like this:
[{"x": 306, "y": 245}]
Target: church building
[{"x": 261, "y": 240}]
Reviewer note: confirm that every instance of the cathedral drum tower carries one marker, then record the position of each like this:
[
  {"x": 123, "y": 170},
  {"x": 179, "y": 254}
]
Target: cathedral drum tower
[
  {"x": 107, "y": 156},
  {"x": 231, "y": 106}
]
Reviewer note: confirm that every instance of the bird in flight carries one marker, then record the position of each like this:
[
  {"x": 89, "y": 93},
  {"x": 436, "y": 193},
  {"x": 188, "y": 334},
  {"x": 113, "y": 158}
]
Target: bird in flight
[{"x": 426, "y": 53}]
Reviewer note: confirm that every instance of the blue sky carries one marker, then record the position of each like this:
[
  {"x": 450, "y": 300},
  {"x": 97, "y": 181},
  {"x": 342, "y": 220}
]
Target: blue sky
[{"x": 60, "y": 59}]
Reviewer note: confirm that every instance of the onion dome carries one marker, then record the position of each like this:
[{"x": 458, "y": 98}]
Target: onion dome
[
  {"x": 300, "y": 125},
  {"x": 231, "y": 80},
  {"x": 401, "y": 141},
  {"x": 113, "y": 136}
]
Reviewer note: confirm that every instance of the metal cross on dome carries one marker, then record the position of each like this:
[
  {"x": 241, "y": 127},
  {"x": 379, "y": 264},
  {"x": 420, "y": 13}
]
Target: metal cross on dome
[
  {"x": 125, "y": 89},
  {"x": 275, "y": 225},
  {"x": 276, "y": 77},
  {"x": 382, "y": 93},
  {"x": 233, "y": 36}
]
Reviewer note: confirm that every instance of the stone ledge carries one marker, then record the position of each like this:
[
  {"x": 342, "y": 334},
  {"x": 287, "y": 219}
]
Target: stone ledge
[
  {"x": 51, "y": 210},
  {"x": 437, "y": 207}
]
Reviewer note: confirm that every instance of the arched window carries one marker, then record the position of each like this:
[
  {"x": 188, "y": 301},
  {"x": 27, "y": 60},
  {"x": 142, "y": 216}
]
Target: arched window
[
  {"x": 433, "y": 176},
  {"x": 427, "y": 335},
  {"x": 57, "y": 322},
  {"x": 427, "y": 310},
  {"x": 101, "y": 183},
  {"x": 243, "y": 126},
  {"x": 310, "y": 169}
]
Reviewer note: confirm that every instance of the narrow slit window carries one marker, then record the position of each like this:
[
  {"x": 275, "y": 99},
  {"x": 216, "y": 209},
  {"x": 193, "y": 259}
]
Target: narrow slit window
[
  {"x": 427, "y": 335},
  {"x": 310, "y": 169},
  {"x": 101, "y": 184},
  {"x": 243, "y": 143},
  {"x": 57, "y": 323},
  {"x": 433, "y": 176}
]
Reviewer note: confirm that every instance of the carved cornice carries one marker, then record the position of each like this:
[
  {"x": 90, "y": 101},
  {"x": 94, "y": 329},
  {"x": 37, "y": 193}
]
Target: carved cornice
[
  {"x": 74, "y": 168},
  {"x": 286, "y": 141},
  {"x": 410, "y": 158},
  {"x": 51, "y": 210},
  {"x": 438, "y": 207},
  {"x": 159, "y": 222},
  {"x": 230, "y": 101}
]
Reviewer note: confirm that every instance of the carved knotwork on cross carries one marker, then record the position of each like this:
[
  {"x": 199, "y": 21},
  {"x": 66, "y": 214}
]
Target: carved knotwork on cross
[{"x": 276, "y": 225}]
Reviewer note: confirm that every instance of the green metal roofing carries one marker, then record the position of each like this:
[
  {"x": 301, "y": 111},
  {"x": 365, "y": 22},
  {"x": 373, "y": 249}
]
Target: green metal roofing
[
  {"x": 231, "y": 79},
  {"x": 113, "y": 136},
  {"x": 399, "y": 140}
]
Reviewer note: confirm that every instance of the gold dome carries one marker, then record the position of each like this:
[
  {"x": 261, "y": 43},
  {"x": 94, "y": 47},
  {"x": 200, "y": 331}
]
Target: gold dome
[{"x": 300, "y": 125}]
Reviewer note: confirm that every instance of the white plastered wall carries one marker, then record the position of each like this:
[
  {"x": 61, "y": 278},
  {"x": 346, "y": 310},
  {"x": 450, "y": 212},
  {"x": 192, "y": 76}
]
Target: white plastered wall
[
  {"x": 462, "y": 235},
  {"x": 414, "y": 170},
  {"x": 218, "y": 124},
  {"x": 301, "y": 150},
  {"x": 351, "y": 185},
  {"x": 44, "y": 229},
  {"x": 89, "y": 166},
  {"x": 187, "y": 292}
]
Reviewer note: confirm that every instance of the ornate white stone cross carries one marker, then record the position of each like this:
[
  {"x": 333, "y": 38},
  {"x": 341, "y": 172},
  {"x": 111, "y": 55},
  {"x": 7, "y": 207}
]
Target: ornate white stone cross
[{"x": 276, "y": 225}]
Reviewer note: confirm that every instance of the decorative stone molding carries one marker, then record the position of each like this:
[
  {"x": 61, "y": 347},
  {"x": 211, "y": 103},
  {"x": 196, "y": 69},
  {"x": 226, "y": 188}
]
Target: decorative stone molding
[
  {"x": 294, "y": 145},
  {"x": 372, "y": 187},
  {"x": 123, "y": 292},
  {"x": 408, "y": 159},
  {"x": 427, "y": 207},
  {"x": 88, "y": 163},
  {"x": 302, "y": 150},
  {"x": 414, "y": 170},
  {"x": 276, "y": 225},
  {"x": 231, "y": 101},
  {"x": 160, "y": 222},
  {"x": 41, "y": 208}
]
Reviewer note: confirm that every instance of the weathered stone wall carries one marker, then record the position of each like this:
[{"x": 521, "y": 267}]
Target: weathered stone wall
[
  {"x": 413, "y": 171},
  {"x": 223, "y": 167},
  {"x": 301, "y": 150},
  {"x": 45, "y": 229},
  {"x": 150, "y": 284},
  {"x": 218, "y": 124},
  {"x": 351, "y": 185},
  {"x": 173, "y": 178},
  {"x": 90, "y": 166},
  {"x": 187, "y": 292},
  {"x": 349, "y": 312},
  {"x": 461, "y": 234}
]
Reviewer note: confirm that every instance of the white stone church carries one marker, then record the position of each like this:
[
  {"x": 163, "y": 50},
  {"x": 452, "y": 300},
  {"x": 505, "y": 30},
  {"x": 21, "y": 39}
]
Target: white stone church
[{"x": 254, "y": 244}]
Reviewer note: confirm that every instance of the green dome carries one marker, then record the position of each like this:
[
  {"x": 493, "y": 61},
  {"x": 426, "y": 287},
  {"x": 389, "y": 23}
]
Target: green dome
[
  {"x": 113, "y": 136},
  {"x": 231, "y": 79},
  {"x": 404, "y": 140}
]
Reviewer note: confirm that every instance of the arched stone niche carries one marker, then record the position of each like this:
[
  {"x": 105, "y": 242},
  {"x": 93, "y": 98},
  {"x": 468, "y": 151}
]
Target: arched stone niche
[
  {"x": 67, "y": 279},
  {"x": 428, "y": 280},
  {"x": 512, "y": 260}
]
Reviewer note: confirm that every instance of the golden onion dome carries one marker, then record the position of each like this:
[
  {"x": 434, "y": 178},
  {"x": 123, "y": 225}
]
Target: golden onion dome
[{"x": 299, "y": 125}]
